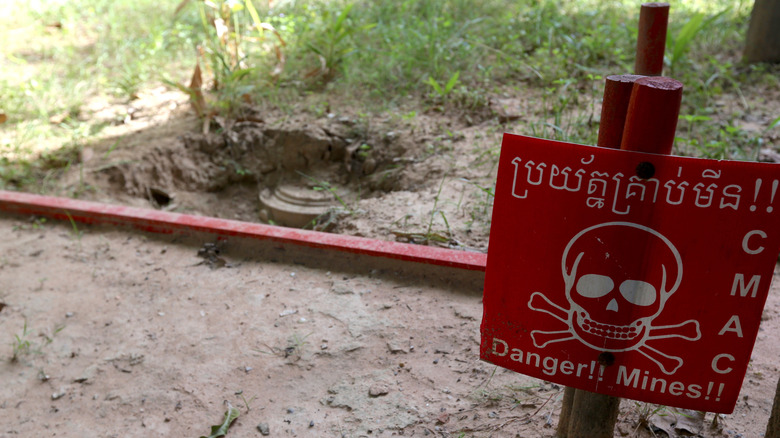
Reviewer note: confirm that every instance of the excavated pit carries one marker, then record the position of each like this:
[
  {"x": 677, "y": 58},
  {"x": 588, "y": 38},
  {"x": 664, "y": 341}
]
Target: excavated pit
[{"x": 298, "y": 175}]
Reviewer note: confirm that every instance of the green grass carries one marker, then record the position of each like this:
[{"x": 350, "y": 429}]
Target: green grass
[
  {"x": 57, "y": 56},
  {"x": 399, "y": 56},
  {"x": 21, "y": 345}
]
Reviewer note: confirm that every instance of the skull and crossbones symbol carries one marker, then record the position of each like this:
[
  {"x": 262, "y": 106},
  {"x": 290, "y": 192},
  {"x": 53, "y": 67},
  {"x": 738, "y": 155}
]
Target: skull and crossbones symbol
[{"x": 618, "y": 278}]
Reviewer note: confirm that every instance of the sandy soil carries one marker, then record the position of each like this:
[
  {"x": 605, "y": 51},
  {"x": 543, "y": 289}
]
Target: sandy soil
[{"x": 141, "y": 335}]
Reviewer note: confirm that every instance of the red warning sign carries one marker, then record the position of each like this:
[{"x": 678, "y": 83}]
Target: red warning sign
[{"x": 635, "y": 275}]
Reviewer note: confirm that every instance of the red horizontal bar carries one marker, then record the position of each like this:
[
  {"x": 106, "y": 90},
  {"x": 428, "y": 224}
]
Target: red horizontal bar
[{"x": 166, "y": 222}]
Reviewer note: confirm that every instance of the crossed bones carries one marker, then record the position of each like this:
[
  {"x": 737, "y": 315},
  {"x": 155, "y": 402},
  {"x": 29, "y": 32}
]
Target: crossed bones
[
  {"x": 600, "y": 265},
  {"x": 688, "y": 330}
]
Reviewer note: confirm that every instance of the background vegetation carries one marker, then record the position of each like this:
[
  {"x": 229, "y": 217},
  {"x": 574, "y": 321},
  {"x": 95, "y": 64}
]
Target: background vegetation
[{"x": 375, "y": 56}]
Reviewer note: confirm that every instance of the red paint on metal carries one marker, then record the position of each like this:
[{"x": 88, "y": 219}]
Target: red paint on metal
[
  {"x": 652, "y": 115},
  {"x": 617, "y": 94},
  {"x": 651, "y": 40},
  {"x": 166, "y": 222}
]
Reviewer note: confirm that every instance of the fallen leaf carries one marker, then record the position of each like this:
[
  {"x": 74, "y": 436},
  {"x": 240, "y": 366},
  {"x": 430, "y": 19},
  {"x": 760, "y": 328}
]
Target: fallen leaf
[
  {"x": 219, "y": 430},
  {"x": 677, "y": 422},
  {"x": 3, "y": 118}
]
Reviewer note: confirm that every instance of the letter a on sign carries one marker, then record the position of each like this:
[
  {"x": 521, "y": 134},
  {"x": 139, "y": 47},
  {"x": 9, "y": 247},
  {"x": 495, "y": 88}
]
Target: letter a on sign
[{"x": 636, "y": 280}]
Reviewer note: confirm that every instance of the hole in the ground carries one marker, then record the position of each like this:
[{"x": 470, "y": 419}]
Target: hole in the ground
[
  {"x": 296, "y": 177},
  {"x": 159, "y": 197}
]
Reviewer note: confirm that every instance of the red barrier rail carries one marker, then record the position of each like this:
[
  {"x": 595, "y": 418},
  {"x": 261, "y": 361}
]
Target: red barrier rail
[{"x": 166, "y": 222}]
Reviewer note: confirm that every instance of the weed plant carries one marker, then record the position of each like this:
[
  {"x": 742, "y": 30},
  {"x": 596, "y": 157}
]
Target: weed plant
[{"x": 21, "y": 345}]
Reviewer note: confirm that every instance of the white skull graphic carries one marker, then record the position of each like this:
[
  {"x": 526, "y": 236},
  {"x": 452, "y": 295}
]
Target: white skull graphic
[{"x": 618, "y": 277}]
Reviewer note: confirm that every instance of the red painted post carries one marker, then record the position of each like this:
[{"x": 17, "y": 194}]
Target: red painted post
[
  {"x": 584, "y": 413},
  {"x": 644, "y": 111},
  {"x": 638, "y": 113},
  {"x": 651, "y": 40},
  {"x": 652, "y": 115},
  {"x": 617, "y": 94}
]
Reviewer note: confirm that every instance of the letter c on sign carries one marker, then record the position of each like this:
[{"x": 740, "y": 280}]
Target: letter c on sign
[
  {"x": 715, "y": 361},
  {"x": 747, "y": 238}
]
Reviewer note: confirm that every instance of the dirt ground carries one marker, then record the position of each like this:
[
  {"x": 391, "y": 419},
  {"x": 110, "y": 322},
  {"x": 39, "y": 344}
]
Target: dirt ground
[
  {"x": 422, "y": 180},
  {"x": 122, "y": 334},
  {"x": 113, "y": 333}
]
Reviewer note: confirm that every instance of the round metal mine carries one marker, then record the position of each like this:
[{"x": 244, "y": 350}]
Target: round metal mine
[{"x": 294, "y": 206}]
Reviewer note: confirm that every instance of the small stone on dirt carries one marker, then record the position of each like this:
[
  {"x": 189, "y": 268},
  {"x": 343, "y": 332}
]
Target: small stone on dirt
[
  {"x": 87, "y": 375},
  {"x": 339, "y": 288},
  {"x": 59, "y": 394},
  {"x": 263, "y": 429},
  {"x": 288, "y": 312},
  {"x": 378, "y": 390},
  {"x": 136, "y": 358},
  {"x": 397, "y": 347}
]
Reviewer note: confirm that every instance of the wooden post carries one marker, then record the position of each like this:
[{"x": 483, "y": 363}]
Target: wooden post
[
  {"x": 652, "y": 115},
  {"x": 562, "y": 431},
  {"x": 593, "y": 415},
  {"x": 642, "y": 113},
  {"x": 651, "y": 39},
  {"x": 585, "y": 414},
  {"x": 763, "y": 40},
  {"x": 617, "y": 94}
]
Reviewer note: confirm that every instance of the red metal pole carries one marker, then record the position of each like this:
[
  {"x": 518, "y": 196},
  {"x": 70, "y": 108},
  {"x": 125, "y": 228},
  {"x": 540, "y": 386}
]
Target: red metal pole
[
  {"x": 157, "y": 221},
  {"x": 652, "y": 115},
  {"x": 651, "y": 40}
]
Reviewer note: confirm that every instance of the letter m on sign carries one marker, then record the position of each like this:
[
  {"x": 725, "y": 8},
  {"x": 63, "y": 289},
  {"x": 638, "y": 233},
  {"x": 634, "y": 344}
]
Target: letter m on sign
[{"x": 752, "y": 286}]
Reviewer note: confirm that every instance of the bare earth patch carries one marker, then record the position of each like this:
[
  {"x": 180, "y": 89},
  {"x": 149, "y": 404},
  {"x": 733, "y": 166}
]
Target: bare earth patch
[{"x": 143, "y": 335}]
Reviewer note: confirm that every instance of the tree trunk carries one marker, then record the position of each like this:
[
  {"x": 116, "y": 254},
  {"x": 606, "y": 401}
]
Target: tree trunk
[
  {"x": 763, "y": 40},
  {"x": 773, "y": 428}
]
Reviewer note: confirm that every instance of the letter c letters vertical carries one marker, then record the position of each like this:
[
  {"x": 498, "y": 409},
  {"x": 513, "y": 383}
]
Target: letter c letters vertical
[{"x": 746, "y": 241}]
